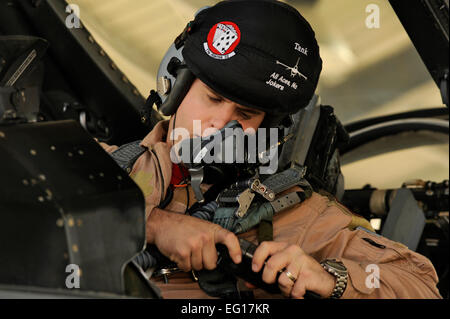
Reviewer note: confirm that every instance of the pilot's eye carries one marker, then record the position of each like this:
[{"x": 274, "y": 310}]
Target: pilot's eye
[
  {"x": 215, "y": 99},
  {"x": 244, "y": 115}
]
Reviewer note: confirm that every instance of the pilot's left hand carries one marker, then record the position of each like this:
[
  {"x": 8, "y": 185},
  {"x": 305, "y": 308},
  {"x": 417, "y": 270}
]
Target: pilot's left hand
[{"x": 301, "y": 271}]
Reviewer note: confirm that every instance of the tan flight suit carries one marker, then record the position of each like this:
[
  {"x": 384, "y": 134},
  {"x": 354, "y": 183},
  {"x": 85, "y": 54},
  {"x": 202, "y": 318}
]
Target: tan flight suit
[{"x": 323, "y": 228}]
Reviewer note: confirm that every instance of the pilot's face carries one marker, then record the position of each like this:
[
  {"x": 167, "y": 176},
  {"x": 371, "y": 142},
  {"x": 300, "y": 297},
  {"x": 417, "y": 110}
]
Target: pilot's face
[{"x": 213, "y": 110}]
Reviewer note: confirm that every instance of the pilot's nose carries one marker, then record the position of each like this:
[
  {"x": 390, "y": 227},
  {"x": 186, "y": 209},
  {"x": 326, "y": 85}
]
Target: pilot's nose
[{"x": 222, "y": 115}]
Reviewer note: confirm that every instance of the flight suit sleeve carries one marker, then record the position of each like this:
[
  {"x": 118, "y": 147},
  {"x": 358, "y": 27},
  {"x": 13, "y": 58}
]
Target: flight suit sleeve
[
  {"x": 150, "y": 178},
  {"x": 145, "y": 175},
  {"x": 149, "y": 173},
  {"x": 108, "y": 148},
  {"x": 377, "y": 267}
]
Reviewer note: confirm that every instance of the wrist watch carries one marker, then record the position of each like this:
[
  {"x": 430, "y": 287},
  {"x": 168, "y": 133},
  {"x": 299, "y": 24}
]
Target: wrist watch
[{"x": 338, "y": 270}]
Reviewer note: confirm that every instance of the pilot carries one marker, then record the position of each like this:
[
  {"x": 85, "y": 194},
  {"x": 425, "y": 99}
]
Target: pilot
[{"x": 257, "y": 61}]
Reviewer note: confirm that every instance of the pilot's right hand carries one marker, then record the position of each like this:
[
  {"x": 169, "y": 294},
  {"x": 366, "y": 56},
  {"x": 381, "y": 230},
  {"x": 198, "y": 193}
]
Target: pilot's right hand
[{"x": 189, "y": 241}]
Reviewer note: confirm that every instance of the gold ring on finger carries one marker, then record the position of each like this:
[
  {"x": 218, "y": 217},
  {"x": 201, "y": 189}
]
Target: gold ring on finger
[{"x": 291, "y": 276}]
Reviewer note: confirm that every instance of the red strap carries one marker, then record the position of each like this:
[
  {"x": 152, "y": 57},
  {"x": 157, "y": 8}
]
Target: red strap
[{"x": 179, "y": 173}]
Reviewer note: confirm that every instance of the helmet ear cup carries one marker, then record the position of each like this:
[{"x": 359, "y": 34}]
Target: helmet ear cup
[
  {"x": 185, "y": 78},
  {"x": 174, "y": 79}
]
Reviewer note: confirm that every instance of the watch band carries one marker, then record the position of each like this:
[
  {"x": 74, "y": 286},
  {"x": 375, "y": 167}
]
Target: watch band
[{"x": 338, "y": 270}]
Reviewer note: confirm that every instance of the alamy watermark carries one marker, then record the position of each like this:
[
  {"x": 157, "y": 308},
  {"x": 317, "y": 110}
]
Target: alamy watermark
[
  {"x": 373, "y": 279},
  {"x": 373, "y": 19},
  {"x": 73, "y": 19},
  {"x": 230, "y": 146},
  {"x": 73, "y": 279}
]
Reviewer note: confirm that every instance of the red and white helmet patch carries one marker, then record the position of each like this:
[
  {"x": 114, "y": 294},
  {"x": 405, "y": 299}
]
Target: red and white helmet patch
[{"x": 222, "y": 40}]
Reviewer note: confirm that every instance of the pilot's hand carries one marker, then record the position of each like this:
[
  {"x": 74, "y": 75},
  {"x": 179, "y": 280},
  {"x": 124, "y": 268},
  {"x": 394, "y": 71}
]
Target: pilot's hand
[
  {"x": 301, "y": 271},
  {"x": 190, "y": 242}
]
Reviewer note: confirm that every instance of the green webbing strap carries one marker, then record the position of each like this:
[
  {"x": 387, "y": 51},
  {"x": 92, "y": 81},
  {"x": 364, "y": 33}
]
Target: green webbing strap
[{"x": 265, "y": 230}]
